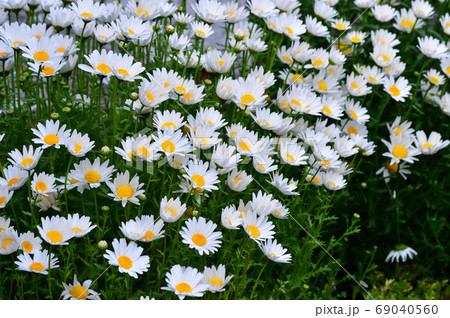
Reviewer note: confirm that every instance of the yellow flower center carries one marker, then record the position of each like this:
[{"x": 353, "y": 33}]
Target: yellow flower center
[
  {"x": 5, "y": 243},
  {"x": 434, "y": 80},
  {"x": 183, "y": 288},
  {"x": 79, "y": 292},
  {"x": 407, "y": 23},
  {"x": 51, "y": 139},
  {"x": 168, "y": 146},
  {"x": 340, "y": 26},
  {"x": 86, "y": 15},
  {"x": 317, "y": 63},
  {"x": 220, "y": 63},
  {"x": 355, "y": 39},
  {"x": 104, "y": 68},
  {"x": 254, "y": 231},
  {"x": 122, "y": 71},
  {"x": 247, "y": 98},
  {"x": 41, "y": 56},
  {"x": 13, "y": 181},
  {"x": 54, "y": 237},
  {"x": 48, "y": 70},
  {"x": 149, "y": 97},
  {"x": 353, "y": 114},
  {"x": 92, "y": 176},
  {"x": 201, "y": 33},
  {"x": 199, "y": 180},
  {"x": 140, "y": 11},
  {"x": 61, "y": 49},
  {"x": 77, "y": 148},
  {"x": 322, "y": 86},
  {"x": 125, "y": 262},
  {"x": 400, "y": 152},
  {"x": 324, "y": 162},
  {"x": 372, "y": 79},
  {"x": 199, "y": 239},
  {"x": 216, "y": 281},
  {"x": 17, "y": 42},
  {"x": 187, "y": 96},
  {"x": 391, "y": 168},
  {"x": 27, "y": 247},
  {"x": 289, "y": 30},
  {"x": 171, "y": 211},
  {"x": 143, "y": 151},
  {"x": 352, "y": 130},
  {"x": 168, "y": 124},
  {"x": 38, "y": 267},
  {"x": 394, "y": 91},
  {"x": 41, "y": 186},
  {"x": 27, "y": 161},
  {"x": 77, "y": 229},
  {"x": 326, "y": 110},
  {"x": 124, "y": 192},
  {"x": 427, "y": 144},
  {"x": 354, "y": 86},
  {"x": 148, "y": 236}
]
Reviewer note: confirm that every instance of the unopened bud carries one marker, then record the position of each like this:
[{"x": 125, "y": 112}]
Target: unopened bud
[
  {"x": 103, "y": 245},
  {"x": 142, "y": 197},
  {"x": 209, "y": 48},
  {"x": 134, "y": 96},
  {"x": 10, "y": 111},
  {"x": 170, "y": 29},
  {"x": 239, "y": 35},
  {"x": 363, "y": 185},
  {"x": 180, "y": 9},
  {"x": 156, "y": 27},
  {"x": 54, "y": 115},
  {"x": 356, "y": 216},
  {"x": 207, "y": 82},
  {"x": 105, "y": 208},
  {"x": 66, "y": 109},
  {"x": 105, "y": 150}
]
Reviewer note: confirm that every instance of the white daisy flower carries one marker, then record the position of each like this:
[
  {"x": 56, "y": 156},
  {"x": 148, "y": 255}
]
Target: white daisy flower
[
  {"x": 275, "y": 252},
  {"x": 26, "y": 160},
  {"x": 92, "y": 174},
  {"x": 238, "y": 180},
  {"x": 9, "y": 241},
  {"x": 78, "y": 291},
  {"x": 128, "y": 257},
  {"x": 80, "y": 226},
  {"x": 430, "y": 145},
  {"x": 230, "y": 218},
  {"x": 79, "y": 145},
  {"x": 216, "y": 278},
  {"x": 29, "y": 243},
  {"x": 5, "y": 196},
  {"x": 401, "y": 251},
  {"x": 55, "y": 230},
  {"x": 257, "y": 228},
  {"x": 143, "y": 229},
  {"x": 200, "y": 235},
  {"x": 185, "y": 281},
  {"x": 123, "y": 189},
  {"x": 39, "y": 262},
  {"x": 171, "y": 210}
]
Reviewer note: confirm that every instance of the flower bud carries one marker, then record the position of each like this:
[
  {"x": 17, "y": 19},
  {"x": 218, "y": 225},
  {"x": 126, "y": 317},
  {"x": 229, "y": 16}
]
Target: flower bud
[
  {"x": 142, "y": 197},
  {"x": 103, "y": 245},
  {"x": 134, "y": 96},
  {"x": 66, "y": 109},
  {"x": 105, "y": 208},
  {"x": 54, "y": 115},
  {"x": 239, "y": 35},
  {"x": 170, "y": 29},
  {"x": 105, "y": 150}
]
